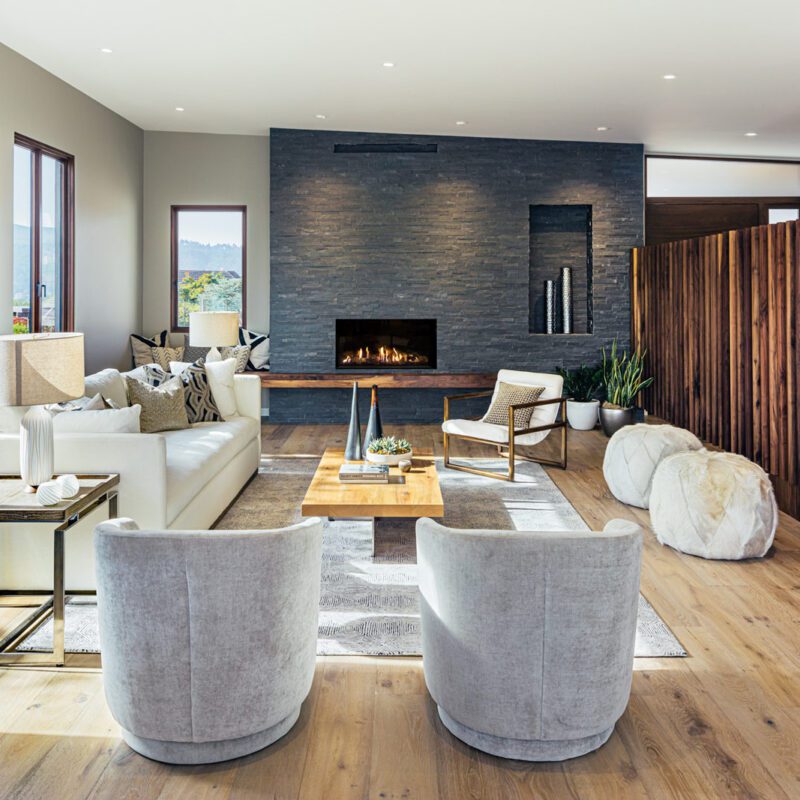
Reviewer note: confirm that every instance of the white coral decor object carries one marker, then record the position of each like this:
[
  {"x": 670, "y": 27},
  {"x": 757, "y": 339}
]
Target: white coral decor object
[
  {"x": 48, "y": 493},
  {"x": 634, "y": 452},
  {"x": 70, "y": 485},
  {"x": 713, "y": 505}
]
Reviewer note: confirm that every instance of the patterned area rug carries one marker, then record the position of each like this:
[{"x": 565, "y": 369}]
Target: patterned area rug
[{"x": 369, "y": 604}]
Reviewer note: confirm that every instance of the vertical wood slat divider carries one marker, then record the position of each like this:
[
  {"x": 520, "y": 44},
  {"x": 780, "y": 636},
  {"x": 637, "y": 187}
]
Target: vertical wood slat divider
[{"x": 718, "y": 317}]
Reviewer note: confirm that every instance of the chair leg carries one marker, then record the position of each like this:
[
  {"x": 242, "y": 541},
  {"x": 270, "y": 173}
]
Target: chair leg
[{"x": 474, "y": 470}]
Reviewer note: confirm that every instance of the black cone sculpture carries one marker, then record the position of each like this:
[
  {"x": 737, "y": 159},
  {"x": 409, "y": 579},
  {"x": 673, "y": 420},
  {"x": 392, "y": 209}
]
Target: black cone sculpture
[
  {"x": 374, "y": 426},
  {"x": 352, "y": 452}
]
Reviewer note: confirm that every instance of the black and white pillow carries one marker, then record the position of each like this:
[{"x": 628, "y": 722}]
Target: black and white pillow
[
  {"x": 151, "y": 374},
  {"x": 259, "y": 348},
  {"x": 141, "y": 347},
  {"x": 200, "y": 405}
]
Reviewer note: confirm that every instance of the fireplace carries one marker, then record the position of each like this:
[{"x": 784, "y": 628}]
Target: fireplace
[{"x": 385, "y": 344}]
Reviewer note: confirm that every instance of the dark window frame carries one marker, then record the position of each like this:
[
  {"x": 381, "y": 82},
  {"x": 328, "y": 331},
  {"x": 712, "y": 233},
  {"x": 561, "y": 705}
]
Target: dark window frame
[
  {"x": 173, "y": 239},
  {"x": 67, "y": 268}
]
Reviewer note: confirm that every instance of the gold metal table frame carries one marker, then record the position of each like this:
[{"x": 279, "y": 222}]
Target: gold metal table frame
[{"x": 84, "y": 504}]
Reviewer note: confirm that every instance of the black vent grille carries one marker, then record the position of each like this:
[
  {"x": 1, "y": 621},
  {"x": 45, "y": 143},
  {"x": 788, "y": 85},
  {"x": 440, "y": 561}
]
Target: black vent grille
[{"x": 387, "y": 147}]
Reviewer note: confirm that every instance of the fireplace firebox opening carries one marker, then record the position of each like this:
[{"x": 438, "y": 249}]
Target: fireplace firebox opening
[{"x": 385, "y": 344}]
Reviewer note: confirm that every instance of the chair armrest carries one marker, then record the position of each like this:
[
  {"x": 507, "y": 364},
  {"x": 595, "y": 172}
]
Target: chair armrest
[
  {"x": 467, "y": 396},
  {"x": 512, "y": 431},
  {"x": 248, "y": 395}
]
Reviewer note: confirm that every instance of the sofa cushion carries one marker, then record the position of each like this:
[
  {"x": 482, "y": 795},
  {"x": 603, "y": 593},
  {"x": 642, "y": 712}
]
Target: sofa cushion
[
  {"x": 110, "y": 384},
  {"x": 111, "y": 420},
  {"x": 196, "y": 455}
]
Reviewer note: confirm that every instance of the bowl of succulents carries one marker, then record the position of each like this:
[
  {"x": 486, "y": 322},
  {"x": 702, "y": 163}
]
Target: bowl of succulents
[{"x": 389, "y": 450}]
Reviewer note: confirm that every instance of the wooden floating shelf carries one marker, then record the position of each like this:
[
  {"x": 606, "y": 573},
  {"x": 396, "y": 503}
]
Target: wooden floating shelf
[{"x": 383, "y": 380}]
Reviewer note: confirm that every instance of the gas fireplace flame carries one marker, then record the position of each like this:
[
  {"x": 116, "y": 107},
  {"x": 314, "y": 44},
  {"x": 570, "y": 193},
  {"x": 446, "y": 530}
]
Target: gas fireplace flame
[{"x": 383, "y": 356}]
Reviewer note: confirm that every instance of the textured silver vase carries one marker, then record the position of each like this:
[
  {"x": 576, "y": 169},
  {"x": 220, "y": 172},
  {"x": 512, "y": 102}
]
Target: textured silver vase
[
  {"x": 566, "y": 299},
  {"x": 550, "y": 306}
]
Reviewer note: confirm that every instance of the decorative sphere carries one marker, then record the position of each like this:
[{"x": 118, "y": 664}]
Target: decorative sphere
[
  {"x": 70, "y": 485},
  {"x": 48, "y": 493}
]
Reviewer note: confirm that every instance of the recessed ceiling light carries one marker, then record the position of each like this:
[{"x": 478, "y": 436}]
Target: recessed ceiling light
[
  {"x": 751, "y": 133},
  {"x": 461, "y": 122},
  {"x": 603, "y": 128},
  {"x": 670, "y": 77},
  {"x": 180, "y": 108},
  {"x": 106, "y": 50},
  {"x": 320, "y": 116},
  {"x": 388, "y": 64}
]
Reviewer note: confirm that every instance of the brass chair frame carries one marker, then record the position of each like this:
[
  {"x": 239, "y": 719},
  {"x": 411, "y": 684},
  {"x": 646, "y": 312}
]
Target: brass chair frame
[{"x": 511, "y": 453}]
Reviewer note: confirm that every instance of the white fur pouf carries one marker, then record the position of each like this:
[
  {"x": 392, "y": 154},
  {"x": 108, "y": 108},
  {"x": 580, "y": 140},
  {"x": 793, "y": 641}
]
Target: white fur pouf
[
  {"x": 713, "y": 505},
  {"x": 634, "y": 452}
]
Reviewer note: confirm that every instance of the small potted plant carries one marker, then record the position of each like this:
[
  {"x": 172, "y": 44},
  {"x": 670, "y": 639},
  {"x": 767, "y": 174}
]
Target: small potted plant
[
  {"x": 388, "y": 450},
  {"x": 622, "y": 379},
  {"x": 582, "y": 388}
]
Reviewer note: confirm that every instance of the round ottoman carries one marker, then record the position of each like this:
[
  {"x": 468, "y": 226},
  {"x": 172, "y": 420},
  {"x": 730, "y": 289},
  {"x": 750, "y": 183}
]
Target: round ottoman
[
  {"x": 634, "y": 452},
  {"x": 713, "y": 505}
]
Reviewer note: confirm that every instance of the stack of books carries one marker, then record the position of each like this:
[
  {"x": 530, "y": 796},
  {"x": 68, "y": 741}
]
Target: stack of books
[{"x": 364, "y": 473}]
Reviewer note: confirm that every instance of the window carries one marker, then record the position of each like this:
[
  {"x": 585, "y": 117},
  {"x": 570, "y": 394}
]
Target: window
[
  {"x": 209, "y": 261},
  {"x": 779, "y": 214},
  {"x": 43, "y": 236}
]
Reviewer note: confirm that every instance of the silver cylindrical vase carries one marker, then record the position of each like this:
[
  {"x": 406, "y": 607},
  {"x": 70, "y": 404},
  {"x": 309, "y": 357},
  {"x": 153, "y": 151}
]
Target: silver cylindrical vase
[
  {"x": 566, "y": 299},
  {"x": 550, "y": 306}
]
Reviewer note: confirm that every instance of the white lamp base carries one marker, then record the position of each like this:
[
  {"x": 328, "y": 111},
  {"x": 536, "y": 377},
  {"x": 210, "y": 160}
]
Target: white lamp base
[
  {"x": 213, "y": 355},
  {"x": 36, "y": 447}
]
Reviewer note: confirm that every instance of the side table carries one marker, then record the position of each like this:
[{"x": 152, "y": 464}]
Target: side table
[{"x": 17, "y": 506}]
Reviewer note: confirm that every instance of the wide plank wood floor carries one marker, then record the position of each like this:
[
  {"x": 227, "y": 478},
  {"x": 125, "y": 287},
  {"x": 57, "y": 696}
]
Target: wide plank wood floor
[{"x": 724, "y": 722}]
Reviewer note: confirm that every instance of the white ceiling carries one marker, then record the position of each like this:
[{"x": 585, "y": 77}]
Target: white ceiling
[{"x": 512, "y": 68}]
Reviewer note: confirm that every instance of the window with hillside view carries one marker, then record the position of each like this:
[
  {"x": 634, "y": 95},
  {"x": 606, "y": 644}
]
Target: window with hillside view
[
  {"x": 42, "y": 238},
  {"x": 209, "y": 261}
]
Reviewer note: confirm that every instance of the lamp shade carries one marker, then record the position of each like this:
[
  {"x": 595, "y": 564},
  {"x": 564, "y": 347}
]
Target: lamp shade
[
  {"x": 39, "y": 368},
  {"x": 214, "y": 328}
]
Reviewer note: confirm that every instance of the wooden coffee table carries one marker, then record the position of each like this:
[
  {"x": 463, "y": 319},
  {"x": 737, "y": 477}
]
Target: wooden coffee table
[{"x": 412, "y": 494}]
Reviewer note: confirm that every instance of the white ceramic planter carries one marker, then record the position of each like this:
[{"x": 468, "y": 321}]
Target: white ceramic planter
[
  {"x": 582, "y": 416},
  {"x": 392, "y": 461}
]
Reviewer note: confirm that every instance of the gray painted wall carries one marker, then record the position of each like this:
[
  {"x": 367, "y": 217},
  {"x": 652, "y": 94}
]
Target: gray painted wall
[
  {"x": 108, "y": 201},
  {"x": 441, "y": 235},
  {"x": 199, "y": 168}
]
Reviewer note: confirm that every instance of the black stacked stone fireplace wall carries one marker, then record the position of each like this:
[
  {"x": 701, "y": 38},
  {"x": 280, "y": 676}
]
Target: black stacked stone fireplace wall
[{"x": 453, "y": 233}]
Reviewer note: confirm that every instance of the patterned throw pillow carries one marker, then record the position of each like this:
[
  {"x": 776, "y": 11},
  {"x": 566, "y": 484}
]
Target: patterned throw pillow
[
  {"x": 141, "y": 347},
  {"x": 163, "y": 355},
  {"x": 193, "y": 354},
  {"x": 200, "y": 405},
  {"x": 151, "y": 374},
  {"x": 241, "y": 353},
  {"x": 511, "y": 394},
  {"x": 163, "y": 407},
  {"x": 259, "y": 348}
]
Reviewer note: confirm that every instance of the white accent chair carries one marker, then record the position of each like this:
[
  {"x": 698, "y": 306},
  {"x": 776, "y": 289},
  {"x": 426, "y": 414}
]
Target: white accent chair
[
  {"x": 528, "y": 637},
  {"x": 209, "y": 638},
  {"x": 549, "y": 414}
]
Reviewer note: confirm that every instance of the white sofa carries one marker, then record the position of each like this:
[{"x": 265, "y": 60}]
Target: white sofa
[{"x": 179, "y": 480}]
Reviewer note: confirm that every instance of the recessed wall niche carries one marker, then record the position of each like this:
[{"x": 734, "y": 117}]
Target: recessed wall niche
[{"x": 560, "y": 236}]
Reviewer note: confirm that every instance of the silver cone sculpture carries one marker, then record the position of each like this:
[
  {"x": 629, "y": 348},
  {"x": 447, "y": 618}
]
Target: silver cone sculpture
[
  {"x": 352, "y": 451},
  {"x": 374, "y": 425}
]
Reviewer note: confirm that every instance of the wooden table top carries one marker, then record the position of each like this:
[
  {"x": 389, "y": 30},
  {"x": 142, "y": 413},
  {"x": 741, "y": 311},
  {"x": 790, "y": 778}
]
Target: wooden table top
[
  {"x": 17, "y": 505},
  {"x": 411, "y": 494}
]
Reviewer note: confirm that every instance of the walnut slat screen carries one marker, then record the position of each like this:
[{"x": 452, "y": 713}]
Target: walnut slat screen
[{"x": 718, "y": 316}]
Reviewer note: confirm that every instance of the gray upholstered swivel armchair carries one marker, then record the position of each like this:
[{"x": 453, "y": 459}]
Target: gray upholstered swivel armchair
[
  {"x": 527, "y": 637},
  {"x": 208, "y": 638}
]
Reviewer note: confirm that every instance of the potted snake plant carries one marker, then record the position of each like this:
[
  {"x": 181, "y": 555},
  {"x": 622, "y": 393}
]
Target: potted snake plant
[
  {"x": 622, "y": 379},
  {"x": 582, "y": 388}
]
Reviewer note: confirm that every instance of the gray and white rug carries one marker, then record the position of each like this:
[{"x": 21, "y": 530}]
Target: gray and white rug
[{"x": 369, "y": 604}]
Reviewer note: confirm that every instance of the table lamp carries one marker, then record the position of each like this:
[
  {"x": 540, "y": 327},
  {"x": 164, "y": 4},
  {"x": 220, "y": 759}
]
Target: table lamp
[
  {"x": 213, "y": 329},
  {"x": 39, "y": 368}
]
